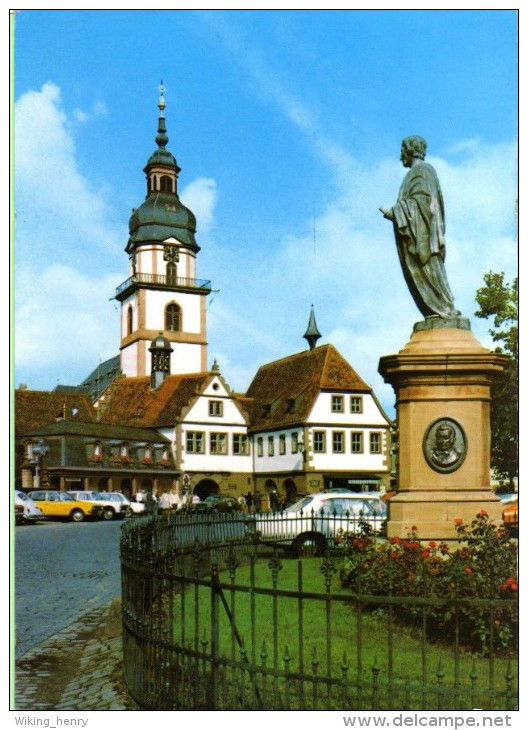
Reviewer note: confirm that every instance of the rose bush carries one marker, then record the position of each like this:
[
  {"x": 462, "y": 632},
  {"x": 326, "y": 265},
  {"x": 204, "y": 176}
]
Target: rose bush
[{"x": 453, "y": 585}]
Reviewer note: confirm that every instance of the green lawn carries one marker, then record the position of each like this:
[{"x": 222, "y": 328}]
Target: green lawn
[{"x": 322, "y": 637}]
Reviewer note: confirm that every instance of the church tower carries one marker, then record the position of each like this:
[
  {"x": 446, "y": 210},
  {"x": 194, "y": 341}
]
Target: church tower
[{"x": 162, "y": 294}]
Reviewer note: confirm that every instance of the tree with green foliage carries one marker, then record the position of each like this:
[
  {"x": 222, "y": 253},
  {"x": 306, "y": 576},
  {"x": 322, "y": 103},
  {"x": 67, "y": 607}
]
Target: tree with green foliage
[{"x": 500, "y": 300}]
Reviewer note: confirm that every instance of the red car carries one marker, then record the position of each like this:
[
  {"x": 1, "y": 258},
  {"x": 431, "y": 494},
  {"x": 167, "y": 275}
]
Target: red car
[{"x": 510, "y": 517}]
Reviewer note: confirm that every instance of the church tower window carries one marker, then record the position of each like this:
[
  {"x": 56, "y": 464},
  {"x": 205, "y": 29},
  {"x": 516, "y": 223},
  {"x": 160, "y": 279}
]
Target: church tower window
[
  {"x": 130, "y": 321},
  {"x": 166, "y": 184},
  {"x": 173, "y": 318},
  {"x": 172, "y": 273}
]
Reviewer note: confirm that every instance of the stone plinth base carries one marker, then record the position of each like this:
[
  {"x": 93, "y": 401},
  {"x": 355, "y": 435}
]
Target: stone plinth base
[
  {"x": 434, "y": 513},
  {"x": 442, "y": 380}
]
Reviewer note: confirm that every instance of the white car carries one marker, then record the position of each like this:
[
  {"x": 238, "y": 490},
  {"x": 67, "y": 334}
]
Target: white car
[
  {"x": 320, "y": 520},
  {"x": 26, "y": 510},
  {"x": 114, "y": 504}
]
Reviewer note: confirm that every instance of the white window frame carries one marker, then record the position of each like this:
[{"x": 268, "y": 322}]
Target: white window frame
[
  {"x": 218, "y": 443},
  {"x": 240, "y": 444},
  {"x": 216, "y": 408},
  {"x": 194, "y": 442}
]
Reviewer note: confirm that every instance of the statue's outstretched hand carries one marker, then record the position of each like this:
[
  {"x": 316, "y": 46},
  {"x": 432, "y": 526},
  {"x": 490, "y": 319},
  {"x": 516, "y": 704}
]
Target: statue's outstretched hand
[{"x": 387, "y": 213}]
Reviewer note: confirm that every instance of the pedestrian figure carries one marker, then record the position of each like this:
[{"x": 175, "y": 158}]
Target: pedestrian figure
[
  {"x": 164, "y": 501},
  {"x": 150, "y": 502}
]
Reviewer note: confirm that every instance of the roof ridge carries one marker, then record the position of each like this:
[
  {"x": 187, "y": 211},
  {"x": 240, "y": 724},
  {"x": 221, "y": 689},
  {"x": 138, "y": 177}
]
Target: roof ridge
[{"x": 295, "y": 355}]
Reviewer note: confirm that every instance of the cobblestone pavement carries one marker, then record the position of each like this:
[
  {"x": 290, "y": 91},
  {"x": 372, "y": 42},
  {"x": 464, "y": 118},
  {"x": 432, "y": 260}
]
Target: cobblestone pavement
[{"x": 80, "y": 668}]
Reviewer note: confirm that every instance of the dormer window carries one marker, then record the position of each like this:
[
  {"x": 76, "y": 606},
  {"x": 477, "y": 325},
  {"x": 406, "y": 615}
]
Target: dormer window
[
  {"x": 124, "y": 454},
  {"x": 147, "y": 458}
]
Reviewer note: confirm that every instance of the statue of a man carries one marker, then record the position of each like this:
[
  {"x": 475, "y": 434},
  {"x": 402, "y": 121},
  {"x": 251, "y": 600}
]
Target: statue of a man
[{"x": 419, "y": 227}]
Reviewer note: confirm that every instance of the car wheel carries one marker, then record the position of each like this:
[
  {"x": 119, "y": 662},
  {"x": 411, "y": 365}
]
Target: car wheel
[
  {"x": 309, "y": 545},
  {"x": 77, "y": 515},
  {"x": 128, "y": 512},
  {"x": 108, "y": 513}
]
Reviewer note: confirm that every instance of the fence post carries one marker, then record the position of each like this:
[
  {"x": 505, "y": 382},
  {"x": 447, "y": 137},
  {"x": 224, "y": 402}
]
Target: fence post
[{"x": 215, "y": 635}]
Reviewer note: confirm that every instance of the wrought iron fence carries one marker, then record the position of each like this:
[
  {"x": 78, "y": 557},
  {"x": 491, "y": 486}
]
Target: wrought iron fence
[{"x": 218, "y": 616}]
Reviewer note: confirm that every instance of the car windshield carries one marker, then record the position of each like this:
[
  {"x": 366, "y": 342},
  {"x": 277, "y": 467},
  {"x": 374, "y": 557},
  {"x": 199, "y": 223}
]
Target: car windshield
[
  {"x": 301, "y": 505},
  {"x": 379, "y": 508},
  {"x": 22, "y": 495}
]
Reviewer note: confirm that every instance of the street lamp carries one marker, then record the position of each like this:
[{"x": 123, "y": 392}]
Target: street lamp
[{"x": 39, "y": 450}]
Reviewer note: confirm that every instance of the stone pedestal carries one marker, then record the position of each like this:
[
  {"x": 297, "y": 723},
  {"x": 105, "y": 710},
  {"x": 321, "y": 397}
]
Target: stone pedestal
[{"x": 442, "y": 380}]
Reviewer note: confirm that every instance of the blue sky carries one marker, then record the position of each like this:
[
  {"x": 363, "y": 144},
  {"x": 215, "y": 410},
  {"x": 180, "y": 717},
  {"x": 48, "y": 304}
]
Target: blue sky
[{"x": 287, "y": 126}]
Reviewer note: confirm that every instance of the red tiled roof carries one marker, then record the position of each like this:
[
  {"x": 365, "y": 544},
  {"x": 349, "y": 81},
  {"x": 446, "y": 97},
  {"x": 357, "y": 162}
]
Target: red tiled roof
[
  {"x": 132, "y": 402},
  {"x": 283, "y": 392},
  {"x": 37, "y": 408}
]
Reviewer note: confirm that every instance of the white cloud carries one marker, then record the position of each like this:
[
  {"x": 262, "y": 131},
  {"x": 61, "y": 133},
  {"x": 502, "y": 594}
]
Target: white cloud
[
  {"x": 54, "y": 199},
  {"x": 98, "y": 109},
  {"x": 201, "y": 196},
  {"x": 65, "y": 323}
]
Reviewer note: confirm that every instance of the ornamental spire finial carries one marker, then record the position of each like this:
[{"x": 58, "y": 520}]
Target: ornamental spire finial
[
  {"x": 161, "y": 139},
  {"x": 161, "y": 103}
]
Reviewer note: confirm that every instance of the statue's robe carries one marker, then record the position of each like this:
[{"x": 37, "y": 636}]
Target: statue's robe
[{"x": 419, "y": 228}]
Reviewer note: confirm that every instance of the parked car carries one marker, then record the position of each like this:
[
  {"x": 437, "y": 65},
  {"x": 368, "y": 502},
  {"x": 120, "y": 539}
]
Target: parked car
[
  {"x": 61, "y": 504},
  {"x": 320, "y": 520},
  {"x": 136, "y": 508},
  {"x": 510, "y": 515},
  {"x": 26, "y": 510},
  {"x": 114, "y": 504},
  {"x": 220, "y": 503}
]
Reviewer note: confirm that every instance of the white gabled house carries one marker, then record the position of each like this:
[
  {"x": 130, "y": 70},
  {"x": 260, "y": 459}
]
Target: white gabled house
[{"x": 315, "y": 425}]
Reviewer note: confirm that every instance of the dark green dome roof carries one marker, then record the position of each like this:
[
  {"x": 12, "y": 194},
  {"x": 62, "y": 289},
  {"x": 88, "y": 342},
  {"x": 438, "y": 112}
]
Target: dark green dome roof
[
  {"x": 162, "y": 157},
  {"x": 161, "y": 216}
]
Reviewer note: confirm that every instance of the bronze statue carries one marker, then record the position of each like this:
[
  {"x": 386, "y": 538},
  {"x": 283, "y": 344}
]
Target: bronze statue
[{"x": 419, "y": 226}]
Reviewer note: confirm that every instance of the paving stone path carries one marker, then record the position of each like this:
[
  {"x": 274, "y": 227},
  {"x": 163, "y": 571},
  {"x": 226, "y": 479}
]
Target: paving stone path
[{"x": 80, "y": 668}]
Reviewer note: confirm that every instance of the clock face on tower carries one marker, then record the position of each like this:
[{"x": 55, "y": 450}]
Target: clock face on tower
[{"x": 171, "y": 255}]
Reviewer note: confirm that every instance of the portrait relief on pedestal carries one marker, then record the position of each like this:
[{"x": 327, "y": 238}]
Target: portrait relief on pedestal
[{"x": 445, "y": 445}]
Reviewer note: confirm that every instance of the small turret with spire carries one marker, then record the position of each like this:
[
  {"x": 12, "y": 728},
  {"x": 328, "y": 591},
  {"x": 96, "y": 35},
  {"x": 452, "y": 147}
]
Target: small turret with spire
[{"x": 312, "y": 334}]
